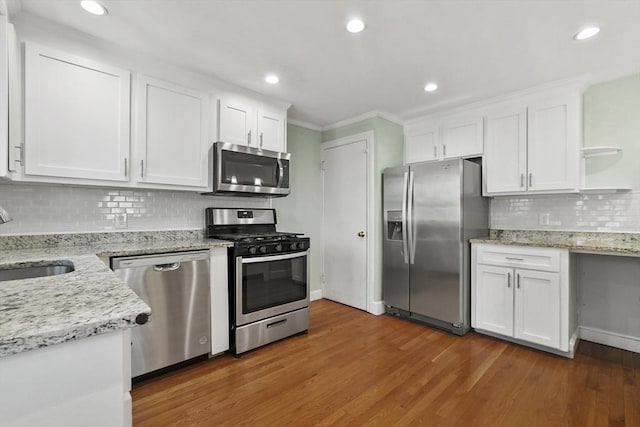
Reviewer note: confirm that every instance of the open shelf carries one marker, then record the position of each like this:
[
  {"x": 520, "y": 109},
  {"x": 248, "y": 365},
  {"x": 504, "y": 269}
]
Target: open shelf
[{"x": 600, "y": 151}]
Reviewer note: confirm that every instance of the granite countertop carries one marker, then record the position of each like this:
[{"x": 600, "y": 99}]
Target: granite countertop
[
  {"x": 89, "y": 301},
  {"x": 589, "y": 242}
]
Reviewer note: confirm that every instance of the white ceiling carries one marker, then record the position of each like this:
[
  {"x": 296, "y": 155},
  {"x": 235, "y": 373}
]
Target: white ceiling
[{"x": 472, "y": 49}]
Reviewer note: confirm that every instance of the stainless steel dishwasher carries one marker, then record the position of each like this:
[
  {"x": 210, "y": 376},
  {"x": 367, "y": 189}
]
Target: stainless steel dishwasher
[{"x": 176, "y": 287}]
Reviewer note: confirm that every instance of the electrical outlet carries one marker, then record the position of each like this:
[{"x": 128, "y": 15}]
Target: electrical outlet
[
  {"x": 120, "y": 220},
  {"x": 544, "y": 219}
]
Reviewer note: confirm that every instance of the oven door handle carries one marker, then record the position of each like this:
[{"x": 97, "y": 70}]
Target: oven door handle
[{"x": 252, "y": 260}]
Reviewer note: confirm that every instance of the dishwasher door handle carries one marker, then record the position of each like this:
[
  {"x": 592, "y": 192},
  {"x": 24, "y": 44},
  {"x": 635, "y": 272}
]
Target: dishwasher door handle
[{"x": 167, "y": 267}]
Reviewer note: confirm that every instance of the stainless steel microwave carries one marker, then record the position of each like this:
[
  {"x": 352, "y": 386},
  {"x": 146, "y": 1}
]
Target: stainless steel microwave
[{"x": 246, "y": 171}]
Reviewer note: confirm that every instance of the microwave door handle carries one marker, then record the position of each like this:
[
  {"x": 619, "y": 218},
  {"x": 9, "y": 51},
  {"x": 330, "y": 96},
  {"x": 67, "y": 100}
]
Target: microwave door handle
[{"x": 279, "y": 173}]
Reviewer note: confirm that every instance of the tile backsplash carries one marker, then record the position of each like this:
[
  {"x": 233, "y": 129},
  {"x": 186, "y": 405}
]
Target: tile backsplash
[
  {"x": 618, "y": 212},
  {"x": 67, "y": 209}
]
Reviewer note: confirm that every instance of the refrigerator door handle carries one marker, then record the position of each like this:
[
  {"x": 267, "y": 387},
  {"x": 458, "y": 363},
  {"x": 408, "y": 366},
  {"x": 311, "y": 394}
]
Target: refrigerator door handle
[
  {"x": 412, "y": 243},
  {"x": 405, "y": 238}
]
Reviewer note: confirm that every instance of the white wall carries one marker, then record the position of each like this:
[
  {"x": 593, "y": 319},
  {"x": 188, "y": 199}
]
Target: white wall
[{"x": 41, "y": 209}]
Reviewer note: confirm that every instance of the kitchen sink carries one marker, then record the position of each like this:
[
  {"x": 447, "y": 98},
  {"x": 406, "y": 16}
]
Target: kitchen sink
[{"x": 30, "y": 271}]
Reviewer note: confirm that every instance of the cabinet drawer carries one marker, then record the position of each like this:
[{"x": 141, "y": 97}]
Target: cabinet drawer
[{"x": 545, "y": 259}]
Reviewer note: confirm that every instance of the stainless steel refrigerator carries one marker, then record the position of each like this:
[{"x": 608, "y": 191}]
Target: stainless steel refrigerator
[{"x": 431, "y": 210}]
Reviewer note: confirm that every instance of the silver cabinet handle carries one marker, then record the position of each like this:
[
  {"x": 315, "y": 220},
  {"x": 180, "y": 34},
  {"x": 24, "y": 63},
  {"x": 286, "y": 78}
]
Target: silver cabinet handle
[
  {"x": 435, "y": 151},
  {"x": 508, "y": 280},
  {"x": 530, "y": 180},
  {"x": 522, "y": 180},
  {"x": 444, "y": 150},
  {"x": 261, "y": 134},
  {"x": 518, "y": 281},
  {"x": 20, "y": 158},
  {"x": 249, "y": 138},
  {"x": 167, "y": 267},
  {"x": 513, "y": 258},
  {"x": 141, "y": 168},
  {"x": 126, "y": 166}
]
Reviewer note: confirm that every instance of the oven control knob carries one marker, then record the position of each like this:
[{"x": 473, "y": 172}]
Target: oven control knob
[
  {"x": 294, "y": 246},
  {"x": 263, "y": 249},
  {"x": 301, "y": 245},
  {"x": 278, "y": 247},
  {"x": 253, "y": 250}
]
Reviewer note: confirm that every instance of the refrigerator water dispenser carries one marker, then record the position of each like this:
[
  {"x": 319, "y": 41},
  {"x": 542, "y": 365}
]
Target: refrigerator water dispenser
[{"x": 394, "y": 225}]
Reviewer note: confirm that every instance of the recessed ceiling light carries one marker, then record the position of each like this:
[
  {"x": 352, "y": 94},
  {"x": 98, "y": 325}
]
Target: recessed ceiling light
[
  {"x": 272, "y": 79},
  {"x": 430, "y": 87},
  {"x": 355, "y": 26},
  {"x": 93, "y": 7},
  {"x": 586, "y": 33}
]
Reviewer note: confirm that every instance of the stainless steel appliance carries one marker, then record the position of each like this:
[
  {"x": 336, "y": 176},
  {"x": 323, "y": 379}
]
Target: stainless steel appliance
[
  {"x": 248, "y": 171},
  {"x": 176, "y": 287},
  {"x": 431, "y": 210},
  {"x": 268, "y": 276}
]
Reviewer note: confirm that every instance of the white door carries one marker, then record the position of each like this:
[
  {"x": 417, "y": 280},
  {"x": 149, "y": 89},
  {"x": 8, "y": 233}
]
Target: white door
[
  {"x": 553, "y": 148},
  {"x": 537, "y": 307},
  {"x": 494, "y": 299},
  {"x": 462, "y": 136},
  {"x": 76, "y": 116},
  {"x": 345, "y": 217},
  {"x": 506, "y": 150},
  {"x": 271, "y": 128},
  {"x": 236, "y": 123},
  {"x": 173, "y": 133}
]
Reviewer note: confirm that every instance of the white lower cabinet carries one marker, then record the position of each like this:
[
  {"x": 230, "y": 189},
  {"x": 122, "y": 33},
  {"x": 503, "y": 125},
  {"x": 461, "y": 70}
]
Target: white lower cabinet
[
  {"x": 76, "y": 383},
  {"x": 522, "y": 293}
]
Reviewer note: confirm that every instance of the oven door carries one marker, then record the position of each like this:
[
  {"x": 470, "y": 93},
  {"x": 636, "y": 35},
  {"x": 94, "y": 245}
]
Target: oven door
[
  {"x": 247, "y": 170},
  {"x": 270, "y": 285}
]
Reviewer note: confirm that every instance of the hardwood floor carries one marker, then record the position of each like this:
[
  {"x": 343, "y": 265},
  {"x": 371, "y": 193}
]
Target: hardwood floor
[{"x": 353, "y": 368}]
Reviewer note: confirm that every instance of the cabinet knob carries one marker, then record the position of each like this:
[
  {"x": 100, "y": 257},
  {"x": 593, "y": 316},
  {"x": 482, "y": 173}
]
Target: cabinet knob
[
  {"x": 142, "y": 318},
  {"x": 361, "y": 234}
]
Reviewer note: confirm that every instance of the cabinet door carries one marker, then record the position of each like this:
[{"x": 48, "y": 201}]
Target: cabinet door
[
  {"x": 494, "y": 299},
  {"x": 271, "y": 130},
  {"x": 506, "y": 150},
  {"x": 236, "y": 123},
  {"x": 422, "y": 143},
  {"x": 537, "y": 307},
  {"x": 553, "y": 143},
  {"x": 4, "y": 96},
  {"x": 172, "y": 134},
  {"x": 462, "y": 136},
  {"x": 76, "y": 116}
]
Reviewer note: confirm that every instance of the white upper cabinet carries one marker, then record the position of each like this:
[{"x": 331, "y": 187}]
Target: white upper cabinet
[
  {"x": 4, "y": 96},
  {"x": 271, "y": 130},
  {"x": 506, "y": 139},
  {"x": 533, "y": 144},
  {"x": 452, "y": 136},
  {"x": 421, "y": 142},
  {"x": 251, "y": 125},
  {"x": 76, "y": 117},
  {"x": 462, "y": 136},
  {"x": 172, "y": 140},
  {"x": 236, "y": 123}
]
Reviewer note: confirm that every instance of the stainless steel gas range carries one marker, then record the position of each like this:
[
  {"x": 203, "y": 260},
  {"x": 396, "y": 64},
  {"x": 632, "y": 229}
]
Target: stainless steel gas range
[{"x": 268, "y": 276}]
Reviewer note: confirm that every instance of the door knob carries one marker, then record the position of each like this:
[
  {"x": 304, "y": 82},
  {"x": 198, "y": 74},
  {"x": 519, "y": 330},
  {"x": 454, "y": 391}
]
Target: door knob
[{"x": 361, "y": 234}]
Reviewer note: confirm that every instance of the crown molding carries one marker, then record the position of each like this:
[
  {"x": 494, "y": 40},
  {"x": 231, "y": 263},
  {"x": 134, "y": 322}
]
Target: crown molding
[
  {"x": 369, "y": 115},
  {"x": 304, "y": 124}
]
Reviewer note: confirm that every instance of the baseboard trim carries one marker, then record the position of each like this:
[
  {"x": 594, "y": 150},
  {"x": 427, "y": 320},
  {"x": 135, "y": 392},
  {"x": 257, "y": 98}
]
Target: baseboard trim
[
  {"x": 315, "y": 295},
  {"x": 612, "y": 339},
  {"x": 376, "y": 307}
]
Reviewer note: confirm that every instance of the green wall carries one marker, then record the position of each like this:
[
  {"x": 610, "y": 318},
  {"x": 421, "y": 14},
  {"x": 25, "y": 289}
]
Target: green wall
[
  {"x": 612, "y": 118},
  {"x": 301, "y": 210}
]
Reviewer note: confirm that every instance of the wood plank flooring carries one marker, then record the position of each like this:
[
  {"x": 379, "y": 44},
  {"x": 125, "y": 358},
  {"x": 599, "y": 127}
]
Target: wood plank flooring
[{"x": 353, "y": 368}]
